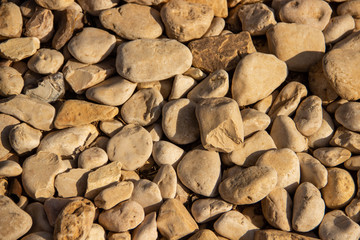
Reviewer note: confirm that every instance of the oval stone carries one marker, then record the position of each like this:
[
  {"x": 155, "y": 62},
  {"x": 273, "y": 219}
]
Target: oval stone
[{"x": 348, "y": 115}]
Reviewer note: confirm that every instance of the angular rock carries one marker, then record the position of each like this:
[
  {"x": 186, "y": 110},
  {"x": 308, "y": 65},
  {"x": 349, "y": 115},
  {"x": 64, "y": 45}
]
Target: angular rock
[
  {"x": 16, "y": 49},
  {"x": 11, "y": 20},
  {"x": 10, "y": 168},
  {"x": 24, "y": 138},
  {"x": 6, "y": 124},
  {"x": 308, "y": 117},
  {"x": 147, "y": 194},
  {"x": 46, "y": 61},
  {"x": 166, "y": 179},
  {"x": 11, "y": 82},
  {"x": 111, "y": 127},
  {"x": 216, "y": 27},
  {"x": 116, "y": 193},
  {"x": 346, "y": 139},
  {"x": 147, "y": 230},
  {"x": 332, "y": 156},
  {"x": 254, "y": 121},
  {"x": 207, "y": 209},
  {"x": 40, "y": 25},
  {"x": 312, "y": 170},
  {"x": 71, "y": 183}
]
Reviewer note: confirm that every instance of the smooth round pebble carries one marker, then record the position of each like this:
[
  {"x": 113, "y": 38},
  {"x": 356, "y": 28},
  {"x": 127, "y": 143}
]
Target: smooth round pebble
[
  {"x": 166, "y": 179},
  {"x": 92, "y": 158},
  {"x": 165, "y": 152},
  {"x": 11, "y": 81},
  {"x": 338, "y": 28},
  {"x": 10, "y": 168},
  {"x": 348, "y": 115},
  {"x": 147, "y": 194},
  {"x": 24, "y": 138},
  {"x": 332, "y": 156},
  {"x": 46, "y": 61},
  {"x": 312, "y": 170},
  {"x": 254, "y": 121},
  {"x": 95, "y": 7}
]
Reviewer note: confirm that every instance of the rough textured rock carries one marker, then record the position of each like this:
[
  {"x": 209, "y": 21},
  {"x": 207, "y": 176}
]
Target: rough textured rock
[
  {"x": 220, "y": 52},
  {"x": 16, "y": 49},
  {"x": 204, "y": 210},
  {"x": 11, "y": 20},
  {"x": 11, "y": 81},
  {"x": 116, "y": 193},
  {"x": 6, "y": 124},
  {"x": 40, "y": 25},
  {"x": 71, "y": 183},
  {"x": 24, "y": 138},
  {"x": 312, "y": 170},
  {"x": 219, "y": 6}
]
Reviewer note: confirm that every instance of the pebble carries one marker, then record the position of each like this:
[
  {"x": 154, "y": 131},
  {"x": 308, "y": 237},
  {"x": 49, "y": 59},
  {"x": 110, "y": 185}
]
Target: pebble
[
  {"x": 322, "y": 137},
  {"x": 277, "y": 209},
  {"x": 16, "y": 49},
  {"x": 40, "y": 25},
  {"x": 204, "y": 234},
  {"x": 54, "y": 5},
  {"x": 309, "y": 42},
  {"x": 11, "y": 17},
  {"x": 171, "y": 213},
  {"x": 11, "y": 81},
  {"x": 182, "y": 84},
  {"x": 14, "y": 222},
  {"x": 165, "y": 152},
  {"x": 340, "y": 188},
  {"x": 6, "y": 124},
  {"x": 147, "y": 194},
  {"x": 265, "y": 104},
  {"x": 205, "y": 210},
  {"x": 123, "y": 217},
  {"x": 348, "y": 114},
  {"x": 39, "y": 218},
  {"x": 353, "y": 210},
  {"x": 75, "y": 220},
  {"x": 351, "y": 7},
  {"x": 9, "y": 168},
  {"x": 336, "y": 225},
  {"x": 286, "y": 164},
  {"x": 71, "y": 183},
  {"x": 24, "y": 138},
  {"x": 338, "y": 28},
  {"x": 119, "y": 236},
  {"x": 147, "y": 230},
  {"x": 195, "y": 73},
  {"x": 46, "y": 61},
  {"x": 114, "y": 194},
  {"x": 216, "y": 27},
  {"x": 92, "y": 158},
  {"x": 97, "y": 232},
  {"x": 332, "y": 156},
  {"x": 133, "y": 21},
  {"x": 308, "y": 208},
  {"x": 312, "y": 170},
  {"x": 180, "y": 132},
  {"x": 102, "y": 178},
  {"x": 270, "y": 234},
  {"x": 248, "y": 185},
  {"x": 114, "y": 91},
  {"x": 156, "y": 131},
  {"x": 131, "y": 146},
  {"x": 38, "y": 236},
  {"x": 353, "y": 163},
  {"x": 76, "y": 138},
  {"x": 166, "y": 179},
  {"x": 219, "y": 6},
  {"x": 147, "y": 60},
  {"x": 95, "y": 7},
  {"x": 143, "y": 107},
  {"x": 254, "y": 121},
  {"x": 308, "y": 117},
  {"x": 346, "y": 139},
  {"x": 111, "y": 127},
  {"x": 223, "y": 133}
]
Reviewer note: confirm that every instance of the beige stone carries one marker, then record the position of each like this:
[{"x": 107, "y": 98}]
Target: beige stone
[
  {"x": 331, "y": 108},
  {"x": 27, "y": 8},
  {"x": 70, "y": 141},
  {"x": 147, "y": 230},
  {"x": 53, "y": 207},
  {"x": 133, "y": 21},
  {"x": 147, "y": 60},
  {"x": 265, "y": 104},
  {"x": 353, "y": 210},
  {"x": 224, "y": 132},
  {"x": 119, "y": 236},
  {"x": 166, "y": 179},
  {"x": 97, "y": 232},
  {"x": 256, "y": 18},
  {"x": 75, "y": 220},
  {"x": 10, "y": 168},
  {"x": 181, "y": 86},
  {"x": 248, "y": 152},
  {"x": 332, "y": 156},
  {"x": 220, "y": 52},
  {"x": 179, "y": 121},
  {"x": 248, "y": 185},
  {"x": 270, "y": 234},
  {"x": 204, "y": 234},
  {"x": 102, "y": 178},
  {"x": 54, "y": 5},
  {"x": 347, "y": 115},
  {"x": 16, "y": 49},
  {"x": 114, "y": 91},
  {"x": 156, "y": 131},
  {"x": 351, "y": 7},
  {"x": 165, "y": 152},
  {"x": 195, "y": 73},
  {"x": 3, "y": 186},
  {"x": 11, "y": 20},
  {"x": 91, "y": 158},
  {"x": 111, "y": 127},
  {"x": 219, "y": 6},
  {"x": 353, "y": 163},
  {"x": 38, "y": 236},
  {"x": 254, "y": 214},
  {"x": 340, "y": 188},
  {"x": 309, "y": 42},
  {"x": 312, "y": 170},
  {"x": 205, "y": 210},
  {"x": 39, "y": 173},
  {"x": 131, "y": 146},
  {"x": 249, "y": 86},
  {"x": 46, "y": 61},
  {"x": 38, "y": 215},
  {"x": 287, "y": 166},
  {"x": 322, "y": 137},
  {"x": 11, "y": 82},
  {"x": 338, "y": 28},
  {"x": 216, "y": 27},
  {"x": 40, "y": 25},
  {"x": 124, "y": 216},
  {"x": 114, "y": 194},
  {"x": 147, "y": 194},
  {"x": 71, "y": 183},
  {"x": 336, "y": 225},
  {"x": 14, "y": 222},
  {"x": 254, "y": 121},
  {"x": 95, "y": 7},
  {"x": 346, "y": 139},
  {"x": 24, "y": 138},
  {"x": 171, "y": 213},
  {"x": 6, "y": 124},
  {"x": 308, "y": 117}
]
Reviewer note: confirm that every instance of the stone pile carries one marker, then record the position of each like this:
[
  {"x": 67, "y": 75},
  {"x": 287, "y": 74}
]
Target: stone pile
[{"x": 179, "y": 119}]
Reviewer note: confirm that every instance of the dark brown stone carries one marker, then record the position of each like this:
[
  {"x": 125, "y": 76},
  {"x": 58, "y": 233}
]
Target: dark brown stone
[
  {"x": 67, "y": 25},
  {"x": 40, "y": 25},
  {"x": 221, "y": 52}
]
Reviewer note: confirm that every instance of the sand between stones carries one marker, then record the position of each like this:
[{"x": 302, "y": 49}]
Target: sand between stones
[{"x": 179, "y": 119}]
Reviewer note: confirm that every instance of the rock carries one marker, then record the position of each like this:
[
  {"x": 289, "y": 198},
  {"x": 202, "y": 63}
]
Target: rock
[
  {"x": 111, "y": 127},
  {"x": 10, "y": 168},
  {"x": 35, "y": 112},
  {"x": 347, "y": 115},
  {"x": 195, "y": 73},
  {"x": 285, "y": 134},
  {"x": 269, "y": 234},
  {"x": 131, "y": 146},
  {"x": 54, "y": 5},
  {"x": 81, "y": 76},
  {"x": 332, "y": 156},
  {"x": 204, "y": 234},
  {"x": 171, "y": 213},
  {"x": 124, "y": 216},
  {"x": 16, "y": 49},
  {"x": 114, "y": 91},
  {"x": 205, "y": 210},
  {"x": 155, "y": 131},
  {"x": 24, "y": 138},
  {"x": 338, "y": 28},
  {"x": 74, "y": 113},
  {"x": 309, "y": 42},
  {"x": 248, "y": 185},
  {"x": 147, "y": 230},
  {"x": 146, "y": 2},
  {"x": 133, "y": 21},
  {"x": 287, "y": 166},
  {"x": 216, "y": 27},
  {"x": 39, "y": 173},
  {"x": 39, "y": 218},
  {"x": 322, "y": 137},
  {"x": 166, "y": 179},
  {"x": 254, "y": 120},
  {"x": 75, "y": 220},
  {"x": 183, "y": 26},
  {"x": 309, "y": 208},
  {"x": 308, "y": 117},
  {"x": 265, "y": 104},
  {"x": 234, "y": 225},
  {"x": 220, "y": 52},
  {"x": 248, "y": 87},
  {"x": 353, "y": 210},
  {"x": 180, "y": 132},
  {"x": 40, "y": 25},
  {"x": 12, "y": 20},
  {"x": 277, "y": 209},
  {"x": 219, "y": 6},
  {"x": 351, "y": 7},
  {"x": 14, "y": 222},
  {"x": 71, "y": 183},
  {"x": 92, "y": 158},
  {"x": 165, "y": 152},
  {"x": 163, "y": 86},
  {"x": 38, "y": 236},
  {"x": 147, "y": 194},
  {"x": 96, "y": 7},
  {"x": 76, "y": 138},
  {"x": 336, "y": 225},
  {"x": 114, "y": 194},
  {"x": 256, "y": 18},
  {"x": 340, "y": 188},
  {"x": 11, "y": 82},
  {"x": 49, "y": 89},
  {"x": 119, "y": 236},
  {"x": 346, "y": 139},
  {"x": 353, "y": 163},
  {"x": 250, "y": 150},
  {"x": 97, "y": 232},
  {"x": 312, "y": 170},
  {"x": 200, "y": 171},
  {"x": 223, "y": 133},
  {"x": 6, "y": 124},
  {"x": 147, "y": 60},
  {"x": 143, "y": 107},
  {"x": 102, "y": 178},
  {"x": 181, "y": 86},
  {"x": 46, "y": 61}
]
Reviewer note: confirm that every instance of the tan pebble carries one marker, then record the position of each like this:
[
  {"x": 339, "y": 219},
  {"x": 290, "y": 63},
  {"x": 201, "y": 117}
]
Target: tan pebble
[
  {"x": 24, "y": 138},
  {"x": 12, "y": 20},
  {"x": 54, "y": 5},
  {"x": 205, "y": 210},
  {"x": 265, "y": 104},
  {"x": 331, "y": 108},
  {"x": 40, "y": 25},
  {"x": 11, "y": 81},
  {"x": 119, "y": 236},
  {"x": 204, "y": 234},
  {"x": 95, "y": 7},
  {"x": 27, "y": 8},
  {"x": 219, "y": 6},
  {"x": 338, "y": 28},
  {"x": 166, "y": 179},
  {"x": 97, "y": 232},
  {"x": 181, "y": 86},
  {"x": 16, "y": 49},
  {"x": 348, "y": 115},
  {"x": 270, "y": 234},
  {"x": 254, "y": 120},
  {"x": 53, "y": 207},
  {"x": 46, "y": 61},
  {"x": 147, "y": 194},
  {"x": 353, "y": 163},
  {"x": 71, "y": 183},
  {"x": 351, "y": 7},
  {"x": 114, "y": 194},
  {"x": 111, "y": 127},
  {"x": 147, "y": 230},
  {"x": 40, "y": 221},
  {"x": 216, "y": 27},
  {"x": 165, "y": 152},
  {"x": 195, "y": 73},
  {"x": 156, "y": 131},
  {"x": 322, "y": 137},
  {"x": 4, "y": 187},
  {"x": 308, "y": 117},
  {"x": 346, "y": 139},
  {"x": 312, "y": 170},
  {"x": 129, "y": 176},
  {"x": 332, "y": 156},
  {"x": 38, "y": 236},
  {"x": 353, "y": 210},
  {"x": 10, "y": 168}
]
